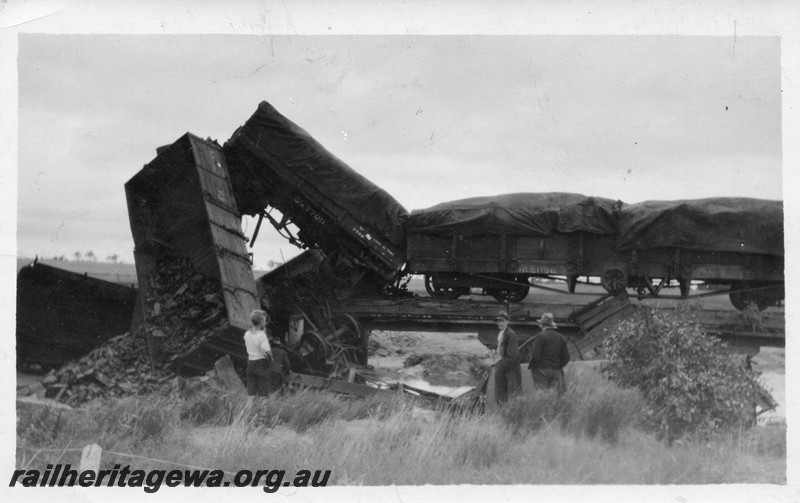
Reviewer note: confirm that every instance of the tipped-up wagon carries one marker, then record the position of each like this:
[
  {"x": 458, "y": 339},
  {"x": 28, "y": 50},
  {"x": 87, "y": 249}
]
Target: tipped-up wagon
[{"x": 279, "y": 172}]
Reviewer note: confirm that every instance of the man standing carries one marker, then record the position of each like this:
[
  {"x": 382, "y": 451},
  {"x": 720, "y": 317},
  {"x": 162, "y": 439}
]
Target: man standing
[
  {"x": 507, "y": 375},
  {"x": 259, "y": 355},
  {"x": 279, "y": 368},
  {"x": 549, "y": 356}
]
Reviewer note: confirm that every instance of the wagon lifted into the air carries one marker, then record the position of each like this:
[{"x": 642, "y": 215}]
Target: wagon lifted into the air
[{"x": 500, "y": 243}]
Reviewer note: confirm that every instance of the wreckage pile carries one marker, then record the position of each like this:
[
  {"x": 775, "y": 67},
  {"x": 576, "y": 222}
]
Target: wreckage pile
[{"x": 184, "y": 309}]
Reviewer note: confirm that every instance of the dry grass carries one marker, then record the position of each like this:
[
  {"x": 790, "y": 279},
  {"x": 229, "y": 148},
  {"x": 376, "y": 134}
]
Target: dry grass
[{"x": 590, "y": 436}]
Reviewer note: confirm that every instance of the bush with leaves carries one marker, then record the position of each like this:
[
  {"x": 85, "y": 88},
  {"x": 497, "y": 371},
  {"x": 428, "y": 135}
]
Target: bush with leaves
[{"x": 690, "y": 380}]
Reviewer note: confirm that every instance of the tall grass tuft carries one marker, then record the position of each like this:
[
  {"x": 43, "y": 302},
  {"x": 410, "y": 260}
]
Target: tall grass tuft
[
  {"x": 134, "y": 420},
  {"x": 210, "y": 407},
  {"x": 308, "y": 408},
  {"x": 40, "y": 425}
]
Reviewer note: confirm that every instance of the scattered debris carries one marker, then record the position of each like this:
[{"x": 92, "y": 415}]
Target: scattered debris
[{"x": 142, "y": 362}]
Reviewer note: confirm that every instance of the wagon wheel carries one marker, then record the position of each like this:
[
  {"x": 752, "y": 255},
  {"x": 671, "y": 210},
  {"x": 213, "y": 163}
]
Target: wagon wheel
[
  {"x": 442, "y": 292},
  {"x": 354, "y": 339},
  {"x": 741, "y": 296},
  {"x": 313, "y": 348},
  {"x": 614, "y": 280},
  {"x": 513, "y": 293},
  {"x": 348, "y": 326}
]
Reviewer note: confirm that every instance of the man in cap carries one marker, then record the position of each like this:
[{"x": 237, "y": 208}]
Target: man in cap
[
  {"x": 549, "y": 356},
  {"x": 507, "y": 375}
]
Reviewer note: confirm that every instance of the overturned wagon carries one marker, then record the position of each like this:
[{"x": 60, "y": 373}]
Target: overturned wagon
[
  {"x": 63, "y": 315},
  {"x": 500, "y": 243}
]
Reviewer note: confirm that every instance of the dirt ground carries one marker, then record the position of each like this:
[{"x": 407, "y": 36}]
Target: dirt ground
[{"x": 451, "y": 364}]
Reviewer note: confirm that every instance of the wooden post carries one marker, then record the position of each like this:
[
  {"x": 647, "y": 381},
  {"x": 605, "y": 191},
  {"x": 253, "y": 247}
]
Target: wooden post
[{"x": 90, "y": 458}]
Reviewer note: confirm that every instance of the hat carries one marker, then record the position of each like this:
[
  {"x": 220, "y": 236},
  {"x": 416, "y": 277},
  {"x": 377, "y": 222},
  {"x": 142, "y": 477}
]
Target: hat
[
  {"x": 501, "y": 315},
  {"x": 547, "y": 319}
]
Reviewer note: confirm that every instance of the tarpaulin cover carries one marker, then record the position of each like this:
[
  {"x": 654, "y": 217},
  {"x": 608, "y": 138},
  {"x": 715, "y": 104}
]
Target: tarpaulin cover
[
  {"x": 539, "y": 214},
  {"x": 287, "y": 146},
  {"x": 722, "y": 224}
]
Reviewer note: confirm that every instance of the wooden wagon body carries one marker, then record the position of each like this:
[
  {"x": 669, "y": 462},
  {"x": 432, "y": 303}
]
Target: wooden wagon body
[
  {"x": 321, "y": 202},
  {"x": 182, "y": 211},
  {"x": 459, "y": 246}
]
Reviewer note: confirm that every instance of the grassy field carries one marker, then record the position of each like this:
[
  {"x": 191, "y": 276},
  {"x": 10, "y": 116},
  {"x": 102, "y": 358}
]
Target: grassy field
[
  {"x": 118, "y": 272},
  {"x": 593, "y": 435}
]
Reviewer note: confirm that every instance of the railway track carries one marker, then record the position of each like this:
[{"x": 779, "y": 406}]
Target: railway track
[{"x": 578, "y": 320}]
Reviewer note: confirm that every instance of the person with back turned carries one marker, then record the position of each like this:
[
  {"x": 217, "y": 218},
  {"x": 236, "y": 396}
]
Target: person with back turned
[
  {"x": 259, "y": 355},
  {"x": 549, "y": 356},
  {"x": 507, "y": 375}
]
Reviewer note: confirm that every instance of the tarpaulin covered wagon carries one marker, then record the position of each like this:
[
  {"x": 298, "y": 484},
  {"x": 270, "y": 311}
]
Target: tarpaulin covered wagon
[
  {"x": 276, "y": 165},
  {"x": 499, "y": 243}
]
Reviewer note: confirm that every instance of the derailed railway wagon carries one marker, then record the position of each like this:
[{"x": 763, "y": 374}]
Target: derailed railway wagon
[
  {"x": 276, "y": 165},
  {"x": 185, "y": 223},
  {"x": 499, "y": 244},
  {"x": 63, "y": 315}
]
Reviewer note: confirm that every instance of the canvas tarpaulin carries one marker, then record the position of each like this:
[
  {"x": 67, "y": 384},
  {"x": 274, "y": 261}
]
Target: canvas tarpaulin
[
  {"x": 291, "y": 151},
  {"x": 721, "y": 224},
  {"x": 538, "y": 214}
]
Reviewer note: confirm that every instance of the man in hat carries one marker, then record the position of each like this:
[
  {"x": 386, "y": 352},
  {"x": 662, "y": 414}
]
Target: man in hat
[
  {"x": 549, "y": 356},
  {"x": 507, "y": 375}
]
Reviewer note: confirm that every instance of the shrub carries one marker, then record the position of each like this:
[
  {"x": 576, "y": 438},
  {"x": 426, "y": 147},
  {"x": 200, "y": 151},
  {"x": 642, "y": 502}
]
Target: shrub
[{"x": 690, "y": 381}]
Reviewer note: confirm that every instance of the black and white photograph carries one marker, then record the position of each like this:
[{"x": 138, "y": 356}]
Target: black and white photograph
[{"x": 399, "y": 250}]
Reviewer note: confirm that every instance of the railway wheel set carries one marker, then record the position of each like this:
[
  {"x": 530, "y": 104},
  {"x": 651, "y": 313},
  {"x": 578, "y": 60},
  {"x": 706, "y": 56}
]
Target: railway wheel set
[{"x": 742, "y": 293}]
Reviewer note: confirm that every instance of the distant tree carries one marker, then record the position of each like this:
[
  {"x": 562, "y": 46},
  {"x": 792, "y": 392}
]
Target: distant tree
[
  {"x": 113, "y": 257},
  {"x": 90, "y": 255},
  {"x": 77, "y": 255}
]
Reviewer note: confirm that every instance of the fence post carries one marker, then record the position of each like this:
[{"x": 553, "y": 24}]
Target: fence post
[{"x": 90, "y": 458}]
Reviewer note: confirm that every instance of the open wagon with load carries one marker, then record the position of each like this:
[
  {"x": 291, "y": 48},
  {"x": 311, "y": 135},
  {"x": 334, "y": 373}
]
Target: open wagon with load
[
  {"x": 723, "y": 241},
  {"x": 499, "y": 244},
  {"x": 196, "y": 285}
]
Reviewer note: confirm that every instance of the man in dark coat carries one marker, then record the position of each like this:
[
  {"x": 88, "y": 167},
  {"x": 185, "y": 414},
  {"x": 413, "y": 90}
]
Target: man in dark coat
[
  {"x": 549, "y": 356},
  {"x": 507, "y": 375}
]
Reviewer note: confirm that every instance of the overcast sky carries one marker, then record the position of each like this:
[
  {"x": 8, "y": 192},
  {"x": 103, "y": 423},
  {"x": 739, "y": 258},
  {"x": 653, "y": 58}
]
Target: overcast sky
[
  {"x": 428, "y": 118},
  {"x": 633, "y": 100}
]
